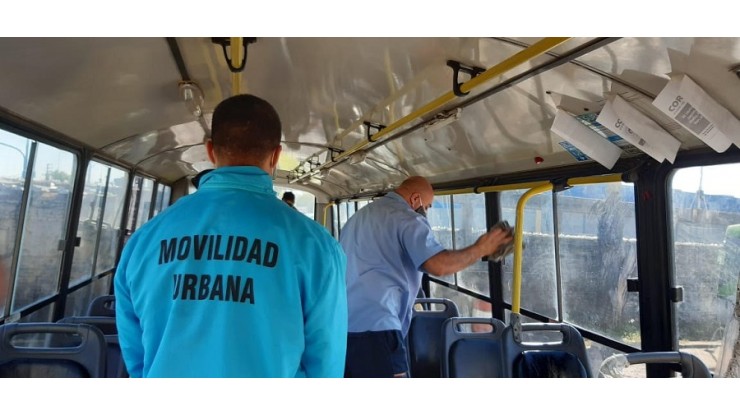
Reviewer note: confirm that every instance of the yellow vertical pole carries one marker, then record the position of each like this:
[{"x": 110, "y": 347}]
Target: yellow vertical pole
[{"x": 236, "y": 59}]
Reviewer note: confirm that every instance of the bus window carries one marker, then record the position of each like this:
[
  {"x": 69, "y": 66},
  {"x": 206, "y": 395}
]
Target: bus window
[
  {"x": 133, "y": 204},
  {"x": 305, "y": 202},
  {"x": 440, "y": 219},
  {"x": 539, "y": 291},
  {"x": 706, "y": 203},
  {"x": 162, "y": 198},
  {"x": 99, "y": 222},
  {"x": 342, "y": 208},
  {"x": 145, "y": 202},
  {"x": 457, "y": 221},
  {"x": 14, "y": 151},
  {"x": 44, "y": 226},
  {"x": 469, "y": 212},
  {"x": 79, "y": 300},
  {"x": 597, "y": 251},
  {"x": 112, "y": 217},
  {"x": 39, "y": 316}
]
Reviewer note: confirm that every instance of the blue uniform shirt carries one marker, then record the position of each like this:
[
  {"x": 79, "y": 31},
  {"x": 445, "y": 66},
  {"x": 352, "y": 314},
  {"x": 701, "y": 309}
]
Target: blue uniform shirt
[
  {"x": 386, "y": 243},
  {"x": 232, "y": 282}
]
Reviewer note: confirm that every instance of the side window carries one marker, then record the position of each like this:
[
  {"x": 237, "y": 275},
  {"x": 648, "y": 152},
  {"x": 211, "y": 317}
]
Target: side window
[
  {"x": 597, "y": 251},
  {"x": 469, "y": 212},
  {"x": 42, "y": 227},
  {"x": 145, "y": 202},
  {"x": 539, "y": 291},
  {"x": 15, "y": 153},
  {"x": 440, "y": 219},
  {"x": 161, "y": 199},
  {"x": 305, "y": 202},
  {"x": 100, "y": 219},
  {"x": 595, "y": 234},
  {"x": 457, "y": 221},
  {"x": 342, "y": 208},
  {"x": 706, "y": 246}
]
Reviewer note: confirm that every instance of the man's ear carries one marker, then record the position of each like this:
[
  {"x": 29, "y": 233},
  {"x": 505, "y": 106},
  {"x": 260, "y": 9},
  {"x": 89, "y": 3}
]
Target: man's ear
[
  {"x": 412, "y": 197},
  {"x": 275, "y": 157},
  {"x": 210, "y": 152}
]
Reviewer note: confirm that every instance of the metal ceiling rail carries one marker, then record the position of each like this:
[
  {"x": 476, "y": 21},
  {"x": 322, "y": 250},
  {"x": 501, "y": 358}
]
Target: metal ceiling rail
[{"x": 508, "y": 64}]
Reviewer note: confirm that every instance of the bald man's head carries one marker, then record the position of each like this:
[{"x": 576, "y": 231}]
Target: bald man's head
[{"x": 417, "y": 192}]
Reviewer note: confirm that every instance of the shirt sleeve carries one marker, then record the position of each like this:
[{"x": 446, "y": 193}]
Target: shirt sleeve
[
  {"x": 325, "y": 315},
  {"x": 129, "y": 328},
  {"x": 418, "y": 241}
]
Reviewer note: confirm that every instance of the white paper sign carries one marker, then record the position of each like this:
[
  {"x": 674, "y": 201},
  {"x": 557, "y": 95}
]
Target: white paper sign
[
  {"x": 639, "y": 130},
  {"x": 593, "y": 145},
  {"x": 684, "y": 101}
]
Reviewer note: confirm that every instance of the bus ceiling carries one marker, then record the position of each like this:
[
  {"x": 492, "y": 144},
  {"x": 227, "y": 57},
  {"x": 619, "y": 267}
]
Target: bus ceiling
[{"x": 361, "y": 114}]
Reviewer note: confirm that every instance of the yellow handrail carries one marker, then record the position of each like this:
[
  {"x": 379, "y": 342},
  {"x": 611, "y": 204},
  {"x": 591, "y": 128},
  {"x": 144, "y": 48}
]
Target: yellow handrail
[
  {"x": 516, "y": 290},
  {"x": 326, "y": 210},
  {"x": 236, "y": 58},
  {"x": 519, "y": 228}
]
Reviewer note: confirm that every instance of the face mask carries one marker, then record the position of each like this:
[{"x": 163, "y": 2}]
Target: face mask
[{"x": 420, "y": 210}]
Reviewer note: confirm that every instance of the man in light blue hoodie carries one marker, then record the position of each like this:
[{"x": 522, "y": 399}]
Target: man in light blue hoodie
[{"x": 230, "y": 281}]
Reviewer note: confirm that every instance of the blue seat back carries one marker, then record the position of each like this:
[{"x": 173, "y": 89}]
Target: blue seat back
[
  {"x": 104, "y": 306},
  {"x": 470, "y": 354},
  {"x": 115, "y": 367},
  {"x": 51, "y": 350},
  {"x": 565, "y": 357},
  {"x": 425, "y": 336}
]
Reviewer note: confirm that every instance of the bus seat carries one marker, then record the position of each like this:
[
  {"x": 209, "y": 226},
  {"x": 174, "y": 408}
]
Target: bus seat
[
  {"x": 564, "y": 357},
  {"x": 115, "y": 367},
  {"x": 470, "y": 354},
  {"x": 51, "y": 350},
  {"x": 689, "y": 365},
  {"x": 425, "y": 336},
  {"x": 548, "y": 364},
  {"x": 104, "y": 306}
]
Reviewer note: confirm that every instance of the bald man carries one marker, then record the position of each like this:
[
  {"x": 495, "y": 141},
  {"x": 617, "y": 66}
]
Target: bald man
[{"x": 389, "y": 244}]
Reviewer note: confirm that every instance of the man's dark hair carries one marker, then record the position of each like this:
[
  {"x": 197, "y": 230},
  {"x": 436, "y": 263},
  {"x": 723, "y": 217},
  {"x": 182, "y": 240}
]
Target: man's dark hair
[
  {"x": 245, "y": 126},
  {"x": 289, "y": 196}
]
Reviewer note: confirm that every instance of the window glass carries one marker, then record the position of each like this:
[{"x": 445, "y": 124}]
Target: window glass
[
  {"x": 538, "y": 291},
  {"x": 87, "y": 227},
  {"x": 467, "y": 306},
  {"x": 79, "y": 300},
  {"x": 470, "y": 223},
  {"x": 110, "y": 231},
  {"x": 305, "y": 202},
  {"x": 706, "y": 246},
  {"x": 166, "y": 194},
  {"x": 14, "y": 151},
  {"x": 145, "y": 202},
  {"x": 342, "y": 207},
  {"x": 43, "y": 315},
  {"x": 162, "y": 199},
  {"x": 45, "y": 226},
  {"x": 440, "y": 219},
  {"x": 158, "y": 200},
  {"x": 133, "y": 203},
  {"x": 597, "y": 250}
]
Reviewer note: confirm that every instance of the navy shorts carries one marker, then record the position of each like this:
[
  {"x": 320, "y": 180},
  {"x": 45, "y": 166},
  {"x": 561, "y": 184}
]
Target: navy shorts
[{"x": 375, "y": 354}]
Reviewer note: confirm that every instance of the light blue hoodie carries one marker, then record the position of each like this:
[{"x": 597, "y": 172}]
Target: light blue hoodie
[{"x": 232, "y": 282}]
